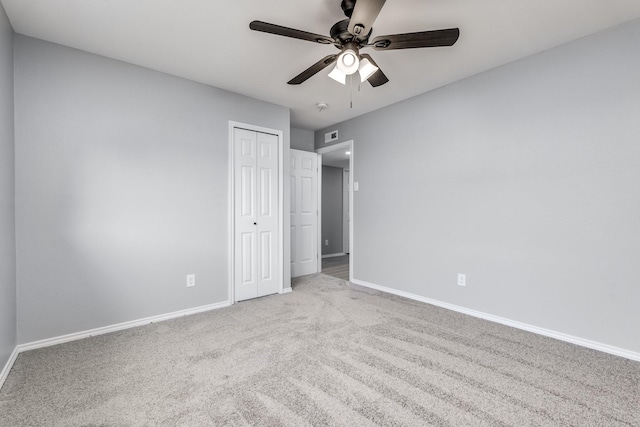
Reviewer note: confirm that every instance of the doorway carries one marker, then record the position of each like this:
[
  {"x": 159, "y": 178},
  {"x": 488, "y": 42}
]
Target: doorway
[{"x": 335, "y": 201}]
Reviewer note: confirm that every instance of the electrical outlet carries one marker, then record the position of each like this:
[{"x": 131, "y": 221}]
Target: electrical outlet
[
  {"x": 191, "y": 280},
  {"x": 462, "y": 279},
  {"x": 326, "y": 243}
]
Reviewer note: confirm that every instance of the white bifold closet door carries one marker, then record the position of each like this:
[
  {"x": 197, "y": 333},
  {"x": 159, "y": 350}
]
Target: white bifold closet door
[{"x": 256, "y": 240}]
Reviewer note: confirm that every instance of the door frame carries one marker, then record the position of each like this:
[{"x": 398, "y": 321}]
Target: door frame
[
  {"x": 346, "y": 214},
  {"x": 231, "y": 203},
  {"x": 337, "y": 147}
]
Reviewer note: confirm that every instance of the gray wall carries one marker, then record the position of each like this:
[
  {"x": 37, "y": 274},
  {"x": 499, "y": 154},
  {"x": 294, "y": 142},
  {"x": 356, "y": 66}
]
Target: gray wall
[
  {"x": 7, "y": 196},
  {"x": 302, "y": 139},
  {"x": 526, "y": 178},
  {"x": 332, "y": 210},
  {"x": 121, "y": 189}
]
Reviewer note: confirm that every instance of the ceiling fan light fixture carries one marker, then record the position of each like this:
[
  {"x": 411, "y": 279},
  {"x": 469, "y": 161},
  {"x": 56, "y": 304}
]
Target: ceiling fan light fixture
[
  {"x": 366, "y": 69},
  {"x": 337, "y": 75},
  {"x": 350, "y": 35},
  {"x": 348, "y": 61}
]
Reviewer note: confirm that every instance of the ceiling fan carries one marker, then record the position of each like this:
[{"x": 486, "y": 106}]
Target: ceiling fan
[{"x": 352, "y": 34}]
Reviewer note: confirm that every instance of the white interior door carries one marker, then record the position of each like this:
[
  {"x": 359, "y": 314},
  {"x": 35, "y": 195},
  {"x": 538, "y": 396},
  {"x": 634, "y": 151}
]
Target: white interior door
[
  {"x": 256, "y": 234},
  {"x": 346, "y": 214},
  {"x": 304, "y": 213}
]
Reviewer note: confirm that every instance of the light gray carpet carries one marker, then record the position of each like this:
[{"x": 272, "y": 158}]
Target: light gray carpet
[{"x": 330, "y": 353}]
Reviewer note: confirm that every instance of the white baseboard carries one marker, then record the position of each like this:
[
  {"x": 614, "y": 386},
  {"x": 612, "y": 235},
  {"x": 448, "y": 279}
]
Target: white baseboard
[
  {"x": 7, "y": 367},
  {"x": 606, "y": 348},
  {"x": 333, "y": 255},
  {"x": 119, "y": 327},
  {"x": 286, "y": 290}
]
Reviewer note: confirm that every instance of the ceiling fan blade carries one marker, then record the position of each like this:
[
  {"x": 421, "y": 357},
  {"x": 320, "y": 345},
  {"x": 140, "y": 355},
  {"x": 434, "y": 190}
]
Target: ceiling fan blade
[
  {"x": 378, "y": 78},
  {"x": 314, "y": 69},
  {"x": 279, "y": 30},
  {"x": 420, "y": 39},
  {"x": 364, "y": 14}
]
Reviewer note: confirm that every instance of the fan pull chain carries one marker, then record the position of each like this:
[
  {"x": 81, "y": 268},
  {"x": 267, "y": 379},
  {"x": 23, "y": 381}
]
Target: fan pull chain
[{"x": 351, "y": 90}]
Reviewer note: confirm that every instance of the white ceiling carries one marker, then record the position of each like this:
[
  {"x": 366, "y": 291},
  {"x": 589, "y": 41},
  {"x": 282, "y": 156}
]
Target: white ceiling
[{"x": 209, "y": 41}]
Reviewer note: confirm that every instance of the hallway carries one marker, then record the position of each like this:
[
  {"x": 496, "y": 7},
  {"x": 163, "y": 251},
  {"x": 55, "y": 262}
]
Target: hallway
[{"x": 336, "y": 267}]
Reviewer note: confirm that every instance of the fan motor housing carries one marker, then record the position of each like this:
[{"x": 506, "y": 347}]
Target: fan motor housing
[{"x": 340, "y": 33}]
